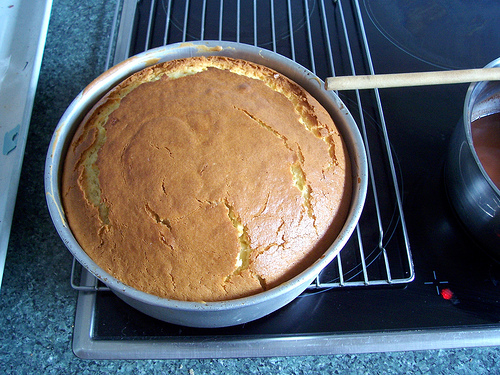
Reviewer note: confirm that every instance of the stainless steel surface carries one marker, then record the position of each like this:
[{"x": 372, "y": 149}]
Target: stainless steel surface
[
  {"x": 23, "y": 30},
  {"x": 218, "y": 346},
  {"x": 211, "y": 314},
  {"x": 474, "y": 195}
]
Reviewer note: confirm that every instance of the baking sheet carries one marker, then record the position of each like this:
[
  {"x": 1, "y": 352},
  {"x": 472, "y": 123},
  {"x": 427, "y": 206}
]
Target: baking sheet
[{"x": 23, "y": 30}]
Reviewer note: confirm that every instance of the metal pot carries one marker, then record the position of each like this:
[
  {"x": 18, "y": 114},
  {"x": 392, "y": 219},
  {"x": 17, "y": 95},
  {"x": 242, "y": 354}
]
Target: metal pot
[
  {"x": 473, "y": 194},
  {"x": 212, "y": 314}
]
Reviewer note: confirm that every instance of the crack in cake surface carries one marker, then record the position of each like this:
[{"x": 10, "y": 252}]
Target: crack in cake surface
[
  {"x": 243, "y": 258},
  {"x": 299, "y": 179},
  {"x": 90, "y": 174},
  {"x": 157, "y": 217}
]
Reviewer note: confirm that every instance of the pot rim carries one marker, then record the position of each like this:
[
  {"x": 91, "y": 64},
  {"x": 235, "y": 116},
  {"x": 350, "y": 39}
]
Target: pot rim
[{"x": 96, "y": 89}]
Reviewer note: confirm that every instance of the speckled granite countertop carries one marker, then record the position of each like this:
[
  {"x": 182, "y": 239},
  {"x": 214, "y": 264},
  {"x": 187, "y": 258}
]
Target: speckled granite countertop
[{"x": 37, "y": 303}]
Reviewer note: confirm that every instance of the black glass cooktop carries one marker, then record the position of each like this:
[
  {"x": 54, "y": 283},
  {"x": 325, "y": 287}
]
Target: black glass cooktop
[{"x": 449, "y": 294}]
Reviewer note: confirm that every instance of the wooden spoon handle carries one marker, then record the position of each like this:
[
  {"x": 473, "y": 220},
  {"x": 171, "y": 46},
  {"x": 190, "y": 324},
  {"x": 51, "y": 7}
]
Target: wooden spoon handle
[{"x": 412, "y": 79}]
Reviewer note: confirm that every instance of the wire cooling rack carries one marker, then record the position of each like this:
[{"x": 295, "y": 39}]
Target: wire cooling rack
[{"x": 328, "y": 38}]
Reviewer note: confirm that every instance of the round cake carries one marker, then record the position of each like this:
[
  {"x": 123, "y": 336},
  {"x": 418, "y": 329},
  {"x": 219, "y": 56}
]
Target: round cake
[{"x": 206, "y": 179}]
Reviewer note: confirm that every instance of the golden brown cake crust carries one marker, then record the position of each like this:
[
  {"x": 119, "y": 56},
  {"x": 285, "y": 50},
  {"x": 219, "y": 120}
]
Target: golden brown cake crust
[{"x": 210, "y": 185}]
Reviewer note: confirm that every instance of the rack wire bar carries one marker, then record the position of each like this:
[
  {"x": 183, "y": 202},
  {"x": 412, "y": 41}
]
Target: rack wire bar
[
  {"x": 379, "y": 251},
  {"x": 92, "y": 286}
]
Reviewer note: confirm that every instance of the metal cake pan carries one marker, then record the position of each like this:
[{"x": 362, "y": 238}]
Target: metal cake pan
[{"x": 209, "y": 314}]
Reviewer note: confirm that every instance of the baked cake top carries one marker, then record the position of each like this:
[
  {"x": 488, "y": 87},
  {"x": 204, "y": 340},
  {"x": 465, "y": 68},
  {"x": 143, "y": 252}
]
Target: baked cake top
[{"x": 206, "y": 179}]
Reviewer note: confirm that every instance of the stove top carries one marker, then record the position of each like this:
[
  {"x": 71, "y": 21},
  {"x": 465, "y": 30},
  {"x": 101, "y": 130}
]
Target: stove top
[
  {"x": 419, "y": 28},
  {"x": 410, "y": 277}
]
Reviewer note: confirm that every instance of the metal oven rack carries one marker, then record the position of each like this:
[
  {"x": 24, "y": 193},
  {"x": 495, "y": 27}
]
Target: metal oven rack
[{"x": 316, "y": 34}]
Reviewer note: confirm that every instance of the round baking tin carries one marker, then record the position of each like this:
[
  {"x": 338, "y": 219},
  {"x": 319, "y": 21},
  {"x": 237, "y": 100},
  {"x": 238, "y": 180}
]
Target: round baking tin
[{"x": 209, "y": 314}]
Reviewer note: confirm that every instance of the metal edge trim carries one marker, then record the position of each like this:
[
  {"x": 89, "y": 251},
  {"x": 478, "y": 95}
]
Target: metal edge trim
[
  {"x": 124, "y": 36},
  {"x": 85, "y": 347}
]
